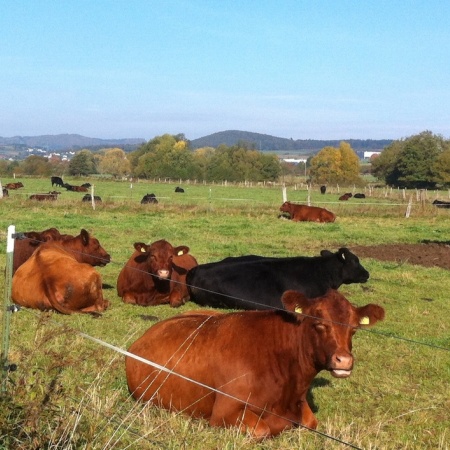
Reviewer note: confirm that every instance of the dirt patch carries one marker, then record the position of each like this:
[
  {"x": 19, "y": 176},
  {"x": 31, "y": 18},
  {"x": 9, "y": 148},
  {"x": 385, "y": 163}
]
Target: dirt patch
[{"x": 428, "y": 254}]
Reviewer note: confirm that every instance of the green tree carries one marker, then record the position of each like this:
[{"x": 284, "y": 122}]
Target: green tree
[
  {"x": 419, "y": 161},
  {"x": 114, "y": 162},
  {"x": 83, "y": 163}
]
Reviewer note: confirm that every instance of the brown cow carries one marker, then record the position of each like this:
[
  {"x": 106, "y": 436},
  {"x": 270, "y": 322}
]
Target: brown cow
[
  {"x": 59, "y": 276},
  {"x": 249, "y": 369},
  {"x": 24, "y": 248},
  {"x": 304, "y": 213},
  {"x": 346, "y": 196},
  {"x": 14, "y": 185},
  {"x": 146, "y": 279},
  {"x": 44, "y": 197}
]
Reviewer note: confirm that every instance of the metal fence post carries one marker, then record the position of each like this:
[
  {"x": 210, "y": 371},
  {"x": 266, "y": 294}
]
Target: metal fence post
[{"x": 7, "y": 305}]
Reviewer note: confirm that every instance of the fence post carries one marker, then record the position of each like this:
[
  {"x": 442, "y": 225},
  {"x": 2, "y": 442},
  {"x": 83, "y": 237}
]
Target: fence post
[
  {"x": 284, "y": 193},
  {"x": 408, "y": 209},
  {"x": 7, "y": 306},
  {"x": 92, "y": 197}
]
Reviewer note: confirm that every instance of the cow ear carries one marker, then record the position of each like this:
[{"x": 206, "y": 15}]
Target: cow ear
[
  {"x": 180, "y": 250},
  {"x": 84, "y": 236},
  {"x": 140, "y": 246},
  {"x": 370, "y": 314},
  {"x": 326, "y": 253},
  {"x": 294, "y": 301}
]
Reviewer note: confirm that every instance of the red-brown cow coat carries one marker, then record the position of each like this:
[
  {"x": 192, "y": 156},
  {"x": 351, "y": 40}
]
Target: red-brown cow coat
[
  {"x": 155, "y": 274},
  {"x": 24, "y": 248},
  {"x": 262, "y": 362},
  {"x": 59, "y": 276},
  {"x": 304, "y": 213}
]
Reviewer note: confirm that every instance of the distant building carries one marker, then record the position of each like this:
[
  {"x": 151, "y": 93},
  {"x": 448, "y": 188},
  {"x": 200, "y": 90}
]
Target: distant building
[
  {"x": 369, "y": 155},
  {"x": 295, "y": 160}
]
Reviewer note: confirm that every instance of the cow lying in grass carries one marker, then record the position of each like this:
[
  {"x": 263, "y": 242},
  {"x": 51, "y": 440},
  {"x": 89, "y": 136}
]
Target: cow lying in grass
[{"x": 249, "y": 369}]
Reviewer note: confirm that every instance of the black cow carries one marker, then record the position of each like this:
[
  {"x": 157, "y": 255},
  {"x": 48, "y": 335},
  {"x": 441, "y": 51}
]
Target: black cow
[
  {"x": 258, "y": 282},
  {"x": 5, "y": 192},
  {"x": 179, "y": 189},
  {"x": 86, "y": 185},
  {"x": 359, "y": 196},
  {"x": 57, "y": 181},
  {"x": 88, "y": 198},
  {"x": 323, "y": 189},
  {"x": 149, "y": 198},
  {"x": 441, "y": 204}
]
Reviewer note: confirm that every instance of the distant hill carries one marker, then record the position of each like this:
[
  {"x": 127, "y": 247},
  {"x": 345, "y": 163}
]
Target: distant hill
[
  {"x": 67, "y": 142},
  {"x": 265, "y": 142}
]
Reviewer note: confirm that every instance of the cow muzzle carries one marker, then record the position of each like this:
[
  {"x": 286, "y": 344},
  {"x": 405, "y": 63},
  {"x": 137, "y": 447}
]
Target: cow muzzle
[
  {"x": 163, "y": 273},
  {"x": 341, "y": 365}
]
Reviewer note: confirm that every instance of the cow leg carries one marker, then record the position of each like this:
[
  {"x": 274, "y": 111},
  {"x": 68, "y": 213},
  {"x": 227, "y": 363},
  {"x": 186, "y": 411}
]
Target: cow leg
[
  {"x": 229, "y": 414},
  {"x": 308, "y": 419}
]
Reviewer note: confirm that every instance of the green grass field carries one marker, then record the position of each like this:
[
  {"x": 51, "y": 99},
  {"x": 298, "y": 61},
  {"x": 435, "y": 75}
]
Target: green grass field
[{"x": 70, "y": 392}]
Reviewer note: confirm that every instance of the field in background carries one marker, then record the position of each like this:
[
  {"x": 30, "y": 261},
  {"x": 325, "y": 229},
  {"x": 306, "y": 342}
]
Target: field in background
[{"x": 70, "y": 392}]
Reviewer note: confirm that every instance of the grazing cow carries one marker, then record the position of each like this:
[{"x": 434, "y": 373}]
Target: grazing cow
[
  {"x": 179, "y": 189},
  {"x": 59, "y": 276},
  {"x": 323, "y": 189},
  {"x": 58, "y": 181},
  {"x": 441, "y": 204},
  {"x": 24, "y": 248},
  {"x": 250, "y": 370},
  {"x": 88, "y": 198},
  {"x": 43, "y": 197},
  {"x": 258, "y": 283},
  {"x": 358, "y": 195},
  {"x": 345, "y": 196},
  {"x": 155, "y": 274},
  {"x": 14, "y": 186},
  {"x": 304, "y": 213},
  {"x": 149, "y": 198}
]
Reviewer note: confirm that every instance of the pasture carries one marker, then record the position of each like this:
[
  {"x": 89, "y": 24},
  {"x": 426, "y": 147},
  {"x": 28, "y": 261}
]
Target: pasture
[{"x": 70, "y": 391}]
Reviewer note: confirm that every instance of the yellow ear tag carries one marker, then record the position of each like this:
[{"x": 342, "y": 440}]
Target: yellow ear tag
[
  {"x": 364, "y": 321},
  {"x": 142, "y": 249},
  {"x": 298, "y": 310},
  {"x": 180, "y": 253}
]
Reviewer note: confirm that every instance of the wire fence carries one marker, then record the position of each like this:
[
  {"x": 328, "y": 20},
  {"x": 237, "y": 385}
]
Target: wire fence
[{"x": 10, "y": 308}]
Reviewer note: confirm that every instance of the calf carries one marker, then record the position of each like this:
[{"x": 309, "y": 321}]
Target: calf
[
  {"x": 345, "y": 197},
  {"x": 155, "y": 274},
  {"x": 250, "y": 370},
  {"x": 43, "y": 197},
  {"x": 254, "y": 282},
  {"x": 179, "y": 189},
  {"x": 359, "y": 195},
  {"x": 304, "y": 213}
]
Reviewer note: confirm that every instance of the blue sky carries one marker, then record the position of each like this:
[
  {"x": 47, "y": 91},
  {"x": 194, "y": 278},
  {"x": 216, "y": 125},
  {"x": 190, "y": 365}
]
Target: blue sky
[{"x": 295, "y": 69}]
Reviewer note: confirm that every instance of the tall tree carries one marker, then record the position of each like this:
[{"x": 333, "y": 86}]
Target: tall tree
[
  {"x": 416, "y": 162},
  {"x": 335, "y": 165},
  {"x": 83, "y": 163},
  {"x": 114, "y": 162}
]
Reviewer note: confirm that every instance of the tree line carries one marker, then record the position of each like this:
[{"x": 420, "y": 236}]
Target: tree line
[{"x": 420, "y": 161}]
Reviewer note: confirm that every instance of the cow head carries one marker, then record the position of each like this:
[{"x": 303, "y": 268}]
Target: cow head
[
  {"x": 158, "y": 256},
  {"x": 351, "y": 270},
  {"x": 91, "y": 252},
  {"x": 285, "y": 207},
  {"x": 330, "y": 322}
]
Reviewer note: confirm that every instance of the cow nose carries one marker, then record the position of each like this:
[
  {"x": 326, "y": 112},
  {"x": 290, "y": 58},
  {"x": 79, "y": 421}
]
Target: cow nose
[
  {"x": 163, "y": 273},
  {"x": 342, "y": 361}
]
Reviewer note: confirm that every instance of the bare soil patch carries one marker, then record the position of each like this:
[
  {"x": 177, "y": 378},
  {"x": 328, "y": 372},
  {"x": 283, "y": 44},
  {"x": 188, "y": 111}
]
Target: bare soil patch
[{"x": 428, "y": 254}]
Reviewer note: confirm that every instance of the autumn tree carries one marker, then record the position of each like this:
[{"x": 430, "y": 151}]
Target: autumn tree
[
  {"x": 114, "y": 162},
  {"x": 335, "y": 165},
  {"x": 35, "y": 165}
]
